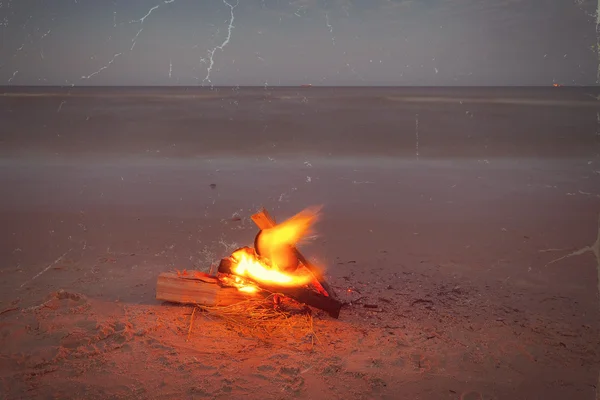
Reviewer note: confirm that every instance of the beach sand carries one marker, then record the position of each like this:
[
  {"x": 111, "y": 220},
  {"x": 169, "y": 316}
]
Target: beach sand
[{"x": 478, "y": 245}]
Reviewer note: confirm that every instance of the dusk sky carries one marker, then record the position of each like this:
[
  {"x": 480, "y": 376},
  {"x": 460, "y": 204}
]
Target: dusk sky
[{"x": 277, "y": 42}]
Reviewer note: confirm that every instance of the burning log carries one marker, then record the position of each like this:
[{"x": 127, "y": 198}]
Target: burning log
[
  {"x": 301, "y": 294},
  {"x": 274, "y": 267},
  {"x": 194, "y": 287},
  {"x": 263, "y": 220}
]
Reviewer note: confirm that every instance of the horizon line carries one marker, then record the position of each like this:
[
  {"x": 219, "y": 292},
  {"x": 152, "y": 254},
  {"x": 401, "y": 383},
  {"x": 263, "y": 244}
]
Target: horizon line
[{"x": 302, "y": 86}]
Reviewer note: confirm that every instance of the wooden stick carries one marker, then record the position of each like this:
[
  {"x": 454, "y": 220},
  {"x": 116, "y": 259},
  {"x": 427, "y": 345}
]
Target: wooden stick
[
  {"x": 263, "y": 220},
  {"x": 193, "y": 288},
  {"x": 191, "y": 324}
]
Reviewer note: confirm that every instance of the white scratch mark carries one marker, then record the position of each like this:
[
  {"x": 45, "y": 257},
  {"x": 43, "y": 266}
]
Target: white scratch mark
[
  {"x": 353, "y": 71},
  {"x": 103, "y": 67},
  {"x": 594, "y": 249},
  {"x": 417, "y": 135},
  {"x": 551, "y": 250},
  {"x": 211, "y": 53},
  {"x": 47, "y": 268},
  {"x": 588, "y": 193},
  {"x": 330, "y": 28},
  {"x": 170, "y": 68},
  {"x": 598, "y": 40},
  {"x": 60, "y": 105},
  {"x": 13, "y": 76},
  {"x": 141, "y": 21}
]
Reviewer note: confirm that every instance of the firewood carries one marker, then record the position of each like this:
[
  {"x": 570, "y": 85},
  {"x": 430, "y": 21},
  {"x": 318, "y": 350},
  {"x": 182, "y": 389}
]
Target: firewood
[
  {"x": 301, "y": 294},
  {"x": 197, "y": 288},
  {"x": 263, "y": 220}
]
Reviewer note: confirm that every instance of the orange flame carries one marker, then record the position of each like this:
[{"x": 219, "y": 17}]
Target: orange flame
[
  {"x": 278, "y": 263},
  {"x": 248, "y": 266},
  {"x": 276, "y": 243}
]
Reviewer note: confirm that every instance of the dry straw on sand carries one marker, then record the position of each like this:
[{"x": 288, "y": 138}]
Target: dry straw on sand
[{"x": 270, "y": 317}]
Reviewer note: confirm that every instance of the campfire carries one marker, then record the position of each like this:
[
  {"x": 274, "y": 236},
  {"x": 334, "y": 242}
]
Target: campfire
[{"x": 273, "y": 270}]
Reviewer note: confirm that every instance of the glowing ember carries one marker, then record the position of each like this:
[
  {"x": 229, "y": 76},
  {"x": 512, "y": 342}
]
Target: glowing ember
[
  {"x": 248, "y": 288},
  {"x": 241, "y": 284}
]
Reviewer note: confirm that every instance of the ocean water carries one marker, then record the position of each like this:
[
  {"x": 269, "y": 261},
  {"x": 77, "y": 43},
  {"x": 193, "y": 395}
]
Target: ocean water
[{"x": 258, "y": 123}]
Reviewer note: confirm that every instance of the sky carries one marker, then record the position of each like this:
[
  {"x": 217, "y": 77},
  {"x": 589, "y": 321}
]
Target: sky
[{"x": 293, "y": 42}]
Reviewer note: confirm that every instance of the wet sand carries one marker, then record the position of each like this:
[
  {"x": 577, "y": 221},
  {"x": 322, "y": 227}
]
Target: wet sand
[{"x": 480, "y": 252}]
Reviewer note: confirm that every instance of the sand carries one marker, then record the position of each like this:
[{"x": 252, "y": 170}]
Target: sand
[{"x": 484, "y": 269}]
